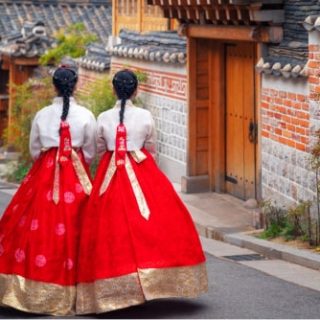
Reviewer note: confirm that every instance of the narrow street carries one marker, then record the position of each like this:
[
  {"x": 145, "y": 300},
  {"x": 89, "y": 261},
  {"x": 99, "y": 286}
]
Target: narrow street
[{"x": 236, "y": 289}]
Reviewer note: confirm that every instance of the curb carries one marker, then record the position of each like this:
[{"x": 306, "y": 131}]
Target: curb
[{"x": 264, "y": 247}]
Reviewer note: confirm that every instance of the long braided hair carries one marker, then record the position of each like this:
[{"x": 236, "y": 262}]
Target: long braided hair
[
  {"x": 65, "y": 80},
  {"x": 125, "y": 83}
]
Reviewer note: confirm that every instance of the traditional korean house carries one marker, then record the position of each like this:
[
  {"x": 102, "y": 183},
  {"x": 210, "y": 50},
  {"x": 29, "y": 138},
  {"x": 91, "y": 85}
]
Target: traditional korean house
[
  {"x": 137, "y": 15},
  {"x": 250, "y": 94},
  {"x": 26, "y": 29}
]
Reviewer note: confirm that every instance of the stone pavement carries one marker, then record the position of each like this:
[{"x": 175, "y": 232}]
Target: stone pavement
[
  {"x": 280, "y": 269},
  {"x": 223, "y": 217}
]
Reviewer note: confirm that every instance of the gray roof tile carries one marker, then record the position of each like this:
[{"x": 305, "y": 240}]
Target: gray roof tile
[
  {"x": 16, "y": 15},
  {"x": 160, "y": 46}
]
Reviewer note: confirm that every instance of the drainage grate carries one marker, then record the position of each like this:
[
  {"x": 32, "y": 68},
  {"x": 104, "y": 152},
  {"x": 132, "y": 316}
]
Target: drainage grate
[{"x": 246, "y": 257}]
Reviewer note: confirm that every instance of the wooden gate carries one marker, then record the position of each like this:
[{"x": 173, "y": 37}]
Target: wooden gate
[
  {"x": 241, "y": 129},
  {"x": 222, "y": 126}
]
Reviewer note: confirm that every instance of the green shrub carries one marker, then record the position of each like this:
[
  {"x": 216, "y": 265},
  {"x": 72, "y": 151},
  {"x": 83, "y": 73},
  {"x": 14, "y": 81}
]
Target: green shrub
[
  {"x": 293, "y": 223},
  {"x": 29, "y": 98},
  {"x": 271, "y": 232},
  {"x": 99, "y": 96},
  {"x": 71, "y": 42},
  {"x": 19, "y": 172}
]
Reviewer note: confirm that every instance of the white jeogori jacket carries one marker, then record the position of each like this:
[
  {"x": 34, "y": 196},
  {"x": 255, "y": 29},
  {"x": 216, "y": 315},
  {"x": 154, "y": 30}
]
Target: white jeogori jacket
[
  {"x": 139, "y": 124},
  {"x": 46, "y": 124}
]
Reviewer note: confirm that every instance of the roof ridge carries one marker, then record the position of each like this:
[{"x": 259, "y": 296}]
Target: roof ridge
[{"x": 101, "y": 2}]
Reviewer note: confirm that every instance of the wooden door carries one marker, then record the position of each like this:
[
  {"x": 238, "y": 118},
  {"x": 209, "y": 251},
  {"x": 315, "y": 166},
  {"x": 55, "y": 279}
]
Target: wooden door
[{"x": 241, "y": 129}]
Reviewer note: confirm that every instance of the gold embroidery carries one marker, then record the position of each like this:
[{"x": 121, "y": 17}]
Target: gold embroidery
[
  {"x": 109, "y": 294},
  {"x": 56, "y": 179},
  {"x": 141, "y": 200},
  {"x": 81, "y": 173},
  {"x": 35, "y": 296},
  {"x": 109, "y": 174},
  {"x": 138, "y": 156},
  {"x": 187, "y": 281},
  {"x": 135, "y": 288}
]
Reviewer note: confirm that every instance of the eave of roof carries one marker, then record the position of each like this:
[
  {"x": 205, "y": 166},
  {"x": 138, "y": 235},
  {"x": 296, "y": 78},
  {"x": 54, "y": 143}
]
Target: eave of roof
[{"x": 163, "y": 46}]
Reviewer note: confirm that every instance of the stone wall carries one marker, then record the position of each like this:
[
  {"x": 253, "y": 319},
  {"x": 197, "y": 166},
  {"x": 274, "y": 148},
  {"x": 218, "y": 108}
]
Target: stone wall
[
  {"x": 290, "y": 117},
  {"x": 165, "y": 95},
  {"x": 285, "y": 141}
]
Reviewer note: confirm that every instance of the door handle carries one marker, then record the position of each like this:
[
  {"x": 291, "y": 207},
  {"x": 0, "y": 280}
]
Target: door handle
[{"x": 253, "y": 132}]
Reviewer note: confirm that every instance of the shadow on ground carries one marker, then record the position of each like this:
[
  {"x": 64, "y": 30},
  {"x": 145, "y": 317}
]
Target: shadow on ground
[{"x": 166, "y": 308}]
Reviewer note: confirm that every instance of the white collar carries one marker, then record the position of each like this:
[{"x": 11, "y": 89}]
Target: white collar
[
  {"x": 59, "y": 100},
  {"x": 128, "y": 104}
]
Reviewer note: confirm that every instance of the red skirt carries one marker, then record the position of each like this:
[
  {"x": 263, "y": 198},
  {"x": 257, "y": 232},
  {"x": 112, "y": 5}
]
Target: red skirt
[
  {"x": 125, "y": 258},
  {"x": 39, "y": 240}
]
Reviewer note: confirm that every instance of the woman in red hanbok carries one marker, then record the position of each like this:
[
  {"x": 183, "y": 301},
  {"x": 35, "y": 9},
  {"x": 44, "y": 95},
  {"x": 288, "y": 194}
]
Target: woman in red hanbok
[
  {"x": 39, "y": 229},
  {"x": 138, "y": 241}
]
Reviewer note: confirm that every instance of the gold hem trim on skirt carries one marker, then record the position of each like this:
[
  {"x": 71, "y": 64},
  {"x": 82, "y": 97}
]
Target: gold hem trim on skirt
[
  {"x": 145, "y": 284},
  {"x": 36, "y": 296}
]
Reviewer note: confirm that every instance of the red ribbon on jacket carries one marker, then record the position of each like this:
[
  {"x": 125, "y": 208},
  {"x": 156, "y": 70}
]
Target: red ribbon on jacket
[
  {"x": 66, "y": 153},
  {"x": 65, "y": 147},
  {"x": 121, "y": 145}
]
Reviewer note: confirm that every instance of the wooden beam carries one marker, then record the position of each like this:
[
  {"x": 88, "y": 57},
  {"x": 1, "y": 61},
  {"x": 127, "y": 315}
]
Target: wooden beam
[
  {"x": 114, "y": 17},
  {"x": 272, "y": 16},
  {"x": 5, "y": 65},
  {"x": 236, "y": 33},
  {"x": 26, "y": 61},
  {"x": 192, "y": 128}
]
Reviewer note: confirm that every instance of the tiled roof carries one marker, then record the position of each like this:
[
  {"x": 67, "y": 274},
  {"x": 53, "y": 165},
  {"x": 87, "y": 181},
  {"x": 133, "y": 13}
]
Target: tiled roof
[
  {"x": 162, "y": 46},
  {"x": 96, "y": 15},
  {"x": 97, "y": 58},
  {"x": 281, "y": 67},
  {"x": 290, "y": 56},
  {"x": 232, "y": 12},
  {"x": 26, "y": 27},
  {"x": 312, "y": 23},
  {"x": 31, "y": 41}
]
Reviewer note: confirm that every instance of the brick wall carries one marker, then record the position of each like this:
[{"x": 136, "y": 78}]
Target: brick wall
[
  {"x": 86, "y": 77},
  {"x": 286, "y": 117},
  {"x": 314, "y": 82},
  {"x": 286, "y": 140},
  {"x": 290, "y": 116},
  {"x": 164, "y": 94}
]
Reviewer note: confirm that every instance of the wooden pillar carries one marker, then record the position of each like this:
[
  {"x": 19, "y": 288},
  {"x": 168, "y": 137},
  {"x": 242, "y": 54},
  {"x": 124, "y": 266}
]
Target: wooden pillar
[
  {"x": 114, "y": 17},
  {"x": 261, "y": 50},
  {"x": 191, "y": 156},
  {"x": 197, "y": 179},
  {"x": 217, "y": 117},
  {"x": 140, "y": 14},
  {"x": 20, "y": 70}
]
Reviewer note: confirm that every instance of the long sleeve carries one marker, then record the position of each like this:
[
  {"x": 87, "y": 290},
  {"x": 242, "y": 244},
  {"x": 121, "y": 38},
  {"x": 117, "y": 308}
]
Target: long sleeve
[
  {"x": 89, "y": 143},
  {"x": 34, "y": 140},
  {"x": 150, "y": 142},
  {"x": 101, "y": 143}
]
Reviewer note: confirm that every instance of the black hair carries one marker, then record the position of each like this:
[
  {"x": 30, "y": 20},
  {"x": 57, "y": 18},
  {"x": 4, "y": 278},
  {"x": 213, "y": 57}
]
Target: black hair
[
  {"x": 125, "y": 83},
  {"x": 65, "y": 80}
]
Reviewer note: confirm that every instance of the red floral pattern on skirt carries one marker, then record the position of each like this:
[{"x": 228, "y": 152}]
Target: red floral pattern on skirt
[
  {"x": 38, "y": 238},
  {"x": 116, "y": 240}
]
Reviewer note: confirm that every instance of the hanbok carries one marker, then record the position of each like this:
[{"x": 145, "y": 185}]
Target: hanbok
[
  {"x": 138, "y": 241},
  {"x": 39, "y": 230}
]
